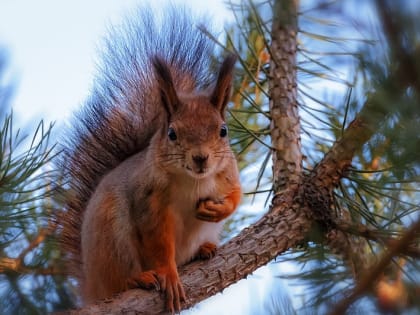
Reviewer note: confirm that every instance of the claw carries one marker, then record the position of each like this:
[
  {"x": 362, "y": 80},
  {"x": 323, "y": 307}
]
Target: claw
[
  {"x": 165, "y": 280},
  {"x": 206, "y": 251}
]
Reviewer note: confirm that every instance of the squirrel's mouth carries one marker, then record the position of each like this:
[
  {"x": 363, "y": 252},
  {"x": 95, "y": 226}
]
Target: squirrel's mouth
[{"x": 197, "y": 172}]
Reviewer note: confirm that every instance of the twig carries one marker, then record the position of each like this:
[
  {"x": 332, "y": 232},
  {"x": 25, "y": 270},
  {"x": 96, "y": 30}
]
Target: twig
[
  {"x": 42, "y": 234},
  {"x": 393, "y": 30},
  {"x": 372, "y": 274},
  {"x": 17, "y": 265},
  {"x": 377, "y": 236}
]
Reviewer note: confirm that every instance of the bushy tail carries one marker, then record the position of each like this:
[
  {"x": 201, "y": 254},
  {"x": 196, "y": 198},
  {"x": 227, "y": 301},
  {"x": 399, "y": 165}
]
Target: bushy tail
[{"x": 121, "y": 114}]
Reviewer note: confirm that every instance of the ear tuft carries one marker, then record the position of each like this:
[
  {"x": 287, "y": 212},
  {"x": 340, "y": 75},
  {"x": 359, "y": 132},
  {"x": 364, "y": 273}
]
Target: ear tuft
[
  {"x": 166, "y": 85},
  {"x": 221, "y": 93}
]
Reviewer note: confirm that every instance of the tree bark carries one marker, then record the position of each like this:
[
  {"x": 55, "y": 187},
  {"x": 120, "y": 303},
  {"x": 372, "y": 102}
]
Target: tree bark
[{"x": 285, "y": 123}]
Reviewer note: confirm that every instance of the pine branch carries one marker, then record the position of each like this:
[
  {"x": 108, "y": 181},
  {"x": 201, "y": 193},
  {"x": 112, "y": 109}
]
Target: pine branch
[
  {"x": 42, "y": 234},
  {"x": 393, "y": 29},
  {"x": 18, "y": 266},
  {"x": 328, "y": 173},
  {"x": 338, "y": 159},
  {"x": 378, "y": 236},
  {"x": 372, "y": 274}
]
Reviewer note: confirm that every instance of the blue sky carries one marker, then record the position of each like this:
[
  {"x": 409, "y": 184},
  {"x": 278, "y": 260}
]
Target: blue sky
[{"x": 53, "y": 46}]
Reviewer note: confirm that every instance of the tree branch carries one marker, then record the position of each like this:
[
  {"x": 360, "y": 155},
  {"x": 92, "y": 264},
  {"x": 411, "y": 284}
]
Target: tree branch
[
  {"x": 285, "y": 121},
  {"x": 377, "y": 236},
  {"x": 17, "y": 265},
  {"x": 327, "y": 174},
  {"x": 42, "y": 234},
  {"x": 283, "y": 228},
  {"x": 336, "y": 162},
  {"x": 329, "y": 171},
  {"x": 394, "y": 32},
  {"x": 372, "y": 274}
]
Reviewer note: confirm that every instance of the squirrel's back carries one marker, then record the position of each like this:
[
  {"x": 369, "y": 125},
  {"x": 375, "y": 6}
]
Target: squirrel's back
[{"x": 122, "y": 113}]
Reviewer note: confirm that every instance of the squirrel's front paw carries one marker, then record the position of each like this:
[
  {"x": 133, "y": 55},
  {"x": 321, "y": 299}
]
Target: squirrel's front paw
[
  {"x": 206, "y": 251},
  {"x": 213, "y": 211},
  {"x": 146, "y": 280},
  {"x": 165, "y": 280}
]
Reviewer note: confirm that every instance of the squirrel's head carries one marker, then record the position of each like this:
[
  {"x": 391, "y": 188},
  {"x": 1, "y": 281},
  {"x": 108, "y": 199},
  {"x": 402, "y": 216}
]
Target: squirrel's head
[{"x": 194, "y": 140}]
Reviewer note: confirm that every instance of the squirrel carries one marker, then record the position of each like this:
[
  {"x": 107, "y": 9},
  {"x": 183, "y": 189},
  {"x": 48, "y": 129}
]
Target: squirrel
[{"x": 148, "y": 161}]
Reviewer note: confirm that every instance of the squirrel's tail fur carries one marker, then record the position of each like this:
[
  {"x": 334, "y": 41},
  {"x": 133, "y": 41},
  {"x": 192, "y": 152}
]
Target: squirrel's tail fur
[{"x": 121, "y": 115}]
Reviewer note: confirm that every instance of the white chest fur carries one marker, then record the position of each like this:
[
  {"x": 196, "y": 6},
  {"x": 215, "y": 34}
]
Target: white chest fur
[{"x": 191, "y": 232}]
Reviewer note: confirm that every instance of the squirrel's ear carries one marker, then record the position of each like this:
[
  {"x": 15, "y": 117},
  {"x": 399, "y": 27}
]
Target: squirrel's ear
[
  {"x": 221, "y": 93},
  {"x": 166, "y": 85}
]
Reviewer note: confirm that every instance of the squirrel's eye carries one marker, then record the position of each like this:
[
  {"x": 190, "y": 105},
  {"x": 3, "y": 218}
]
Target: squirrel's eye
[
  {"x": 223, "y": 131},
  {"x": 171, "y": 134}
]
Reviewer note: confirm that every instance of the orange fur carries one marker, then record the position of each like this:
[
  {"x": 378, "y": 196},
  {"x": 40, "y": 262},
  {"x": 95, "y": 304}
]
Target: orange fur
[
  {"x": 215, "y": 210},
  {"x": 157, "y": 245},
  {"x": 104, "y": 276},
  {"x": 163, "y": 206}
]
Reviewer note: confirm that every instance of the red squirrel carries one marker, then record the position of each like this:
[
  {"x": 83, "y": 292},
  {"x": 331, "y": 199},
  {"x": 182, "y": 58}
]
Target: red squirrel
[{"x": 150, "y": 169}]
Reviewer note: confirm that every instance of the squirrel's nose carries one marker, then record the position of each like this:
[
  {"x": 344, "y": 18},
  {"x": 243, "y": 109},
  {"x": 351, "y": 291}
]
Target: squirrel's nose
[{"x": 200, "y": 160}]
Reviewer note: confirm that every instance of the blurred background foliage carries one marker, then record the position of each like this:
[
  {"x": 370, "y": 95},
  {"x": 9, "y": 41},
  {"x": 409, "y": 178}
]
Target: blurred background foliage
[
  {"x": 31, "y": 280},
  {"x": 344, "y": 60}
]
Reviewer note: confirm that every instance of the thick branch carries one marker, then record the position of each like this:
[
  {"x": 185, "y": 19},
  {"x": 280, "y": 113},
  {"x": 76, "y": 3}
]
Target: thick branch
[
  {"x": 285, "y": 124},
  {"x": 335, "y": 163},
  {"x": 281, "y": 229}
]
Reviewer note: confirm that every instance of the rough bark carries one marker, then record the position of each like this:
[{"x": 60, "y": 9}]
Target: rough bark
[
  {"x": 324, "y": 178},
  {"x": 326, "y": 175},
  {"x": 285, "y": 124}
]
